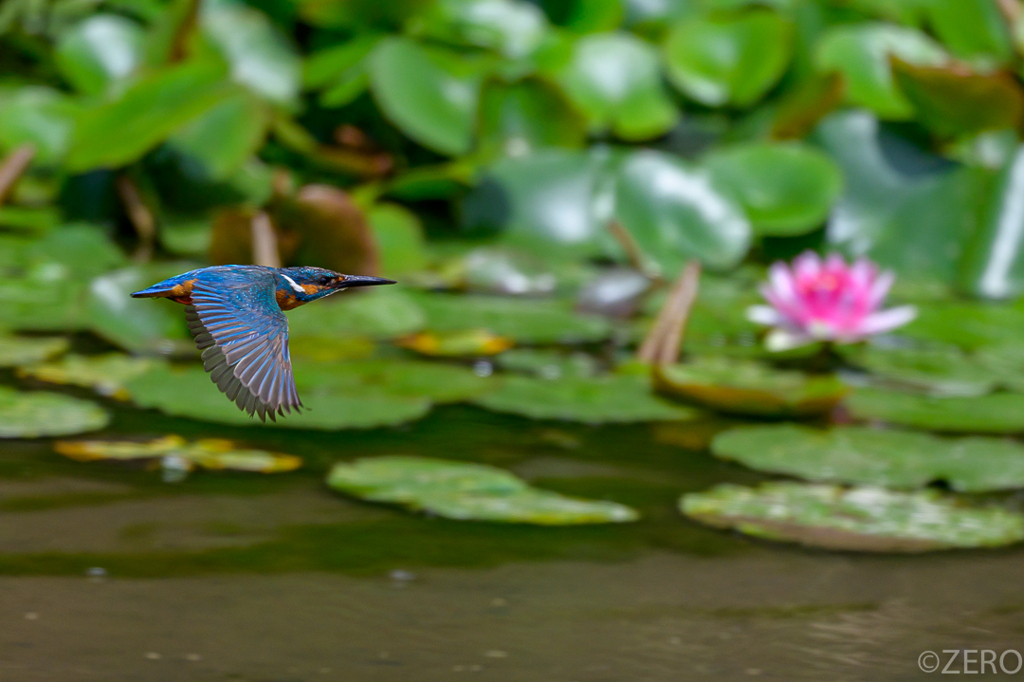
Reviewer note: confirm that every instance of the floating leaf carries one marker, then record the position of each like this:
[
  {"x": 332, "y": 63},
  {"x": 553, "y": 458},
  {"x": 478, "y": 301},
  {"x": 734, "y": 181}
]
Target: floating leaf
[
  {"x": 548, "y": 364},
  {"x": 399, "y": 234},
  {"x": 864, "y": 456},
  {"x": 227, "y": 135},
  {"x": 519, "y": 118},
  {"x": 616, "y": 80},
  {"x": 973, "y": 29},
  {"x": 23, "y": 350},
  {"x": 675, "y": 213},
  {"x": 751, "y": 388},
  {"x": 508, "y": 272},
  {"x": 968, "y": 325},
  {"x": 208, "y": 454},
  {"x": 735, "y": 60},
  {"x": 857, "y": 519},
  {"x": 341, "y": 70},
  {"x": 139, "y": 325},
  {"x": 188, "y": 392},
  {"x": 994, "y": 413},
  {"x": 104, "y": 373},
  {"x": 511, "y": 27},
  {"x": 99, "y": 52},
  {"x": 430, "y": 93},
  {"x": 40, "y": 414},
  {"x": 442, "y": 383},
  {"x": 940, "y": 370},
  {"x": 861, "y": 53},
  {"x": 525, "y": 321},
  {"x": 380, "y": 314},
  {"x": 39, "y": 116},
  {"x": 612, "y": 399},
  {"x": 462, "y": 491},
  {"x": 785, "y": 189},
  {"x": 261, "y": 58},
  {"x": 469, "y": 342},
  {"x": 119, "y": 132}
]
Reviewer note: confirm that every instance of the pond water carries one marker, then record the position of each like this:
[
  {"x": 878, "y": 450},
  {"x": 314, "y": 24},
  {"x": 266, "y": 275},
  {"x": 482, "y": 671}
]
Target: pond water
[{"x": 108, "y": 573}]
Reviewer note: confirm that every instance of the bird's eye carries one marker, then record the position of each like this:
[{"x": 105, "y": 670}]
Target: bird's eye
[{"x": 326, "y": 279}]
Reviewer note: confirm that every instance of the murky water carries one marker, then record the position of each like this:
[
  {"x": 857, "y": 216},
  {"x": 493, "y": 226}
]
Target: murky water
[{"x": 108, "y": 574}]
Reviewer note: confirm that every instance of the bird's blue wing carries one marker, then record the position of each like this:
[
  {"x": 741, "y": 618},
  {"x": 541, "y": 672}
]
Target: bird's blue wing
[{"x": 243, "y": 334}]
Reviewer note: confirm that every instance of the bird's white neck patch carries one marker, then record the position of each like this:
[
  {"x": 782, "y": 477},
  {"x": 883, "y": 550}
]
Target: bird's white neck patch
[{"x": 294, "y": 285}]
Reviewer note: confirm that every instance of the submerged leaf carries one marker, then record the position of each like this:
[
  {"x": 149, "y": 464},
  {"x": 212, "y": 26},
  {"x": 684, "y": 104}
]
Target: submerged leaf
[
  {"x": 469, "y": 342},
  {"x": 865, "y": 456},
  {"x": 857, "y": 519},
  {"x": 463, "y": 491},
  {"x": 208, "y": 453},
  {"x": 39, "y": 414}
]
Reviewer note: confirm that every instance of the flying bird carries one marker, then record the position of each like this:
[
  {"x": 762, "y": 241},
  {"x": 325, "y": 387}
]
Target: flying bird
[{"x": 234, "y": 313}]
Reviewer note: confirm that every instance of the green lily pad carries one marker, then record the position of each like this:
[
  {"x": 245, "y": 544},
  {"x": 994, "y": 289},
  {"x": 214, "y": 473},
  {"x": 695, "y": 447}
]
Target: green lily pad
[
  {"x": 99, "y": 52},
  {"x": 750, "y": 388},
  {"x": 548, "y": 364},
  {"x": 940, "y": 370},
  {"x": 1005, "y": 361},
  {"x": 968, "y": 325},
  {"x": 865, "y": 456},
  {"x": 341, "y": 70},
  {"x": 972, "y": 29},
  {"x": 861, "y": 53},
  {"x": 525, "y": 321},
  {"x": 858, "y": 519},
  {"x": 430, "y": 93},
  {"x": 438, "y": 382},
  {"x": 383, "y": 313},
  {"x": 226, "y": 136},
  {"x": 513, "y": 28},
  {"x": 40, "y": 414},
  {"x": 616, "y": 80},
  {"x": 462, "y": 491},
  {"x": 40, "y": 116},
  {"x": 399, "y": 236},
  {"x": 734, "y": 60},
  {"x": 603, "y": 400},
  {"x": 104, "y": 373},
  {"x": 189, "y": 392},
  {"x": 675, "y": 212},
  {"x": 519, "y": 118},
  {"x": 21, "y": 350},
  {"x": 786, "y": 189},
  {"x": 209, "y": 454},
  {"x": 462, "y": 343},
  {"x": 993, "y": 413}
]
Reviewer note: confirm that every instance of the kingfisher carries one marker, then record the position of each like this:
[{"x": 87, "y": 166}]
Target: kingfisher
[{"x": 235, "y": 314}]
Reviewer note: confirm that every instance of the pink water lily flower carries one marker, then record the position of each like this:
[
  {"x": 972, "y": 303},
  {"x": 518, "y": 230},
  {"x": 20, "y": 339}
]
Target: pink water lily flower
[{"x": 826, "y": 301}]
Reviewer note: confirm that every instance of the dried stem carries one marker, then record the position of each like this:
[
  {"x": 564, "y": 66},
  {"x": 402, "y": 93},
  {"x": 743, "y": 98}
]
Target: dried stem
[
  {"x": 264, "y": 241},
  {"x": 1011, "y": 10},
  {"x": 139, "y": 215},
  {"x": 665, "y": 338},
  {"x": 634, "y": 253},
  {"x": 13, "y": 167}
]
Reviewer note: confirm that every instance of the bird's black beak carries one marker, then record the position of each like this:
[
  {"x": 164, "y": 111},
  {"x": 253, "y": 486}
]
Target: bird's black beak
[{"x": 362, "y": 281}]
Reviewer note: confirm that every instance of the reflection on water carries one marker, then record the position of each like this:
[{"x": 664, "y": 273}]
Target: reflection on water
[{"x": 247, "y": 577}]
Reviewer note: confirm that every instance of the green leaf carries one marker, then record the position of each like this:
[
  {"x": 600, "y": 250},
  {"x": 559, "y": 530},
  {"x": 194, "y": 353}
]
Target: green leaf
[
  {"x": 439, "y": 382},
  {"x": 341, "y": 71},
  {"x": 548, "y": 364},
  {"x": 863, "y": 456},
  {"x": 968, "y": 325},
  {"x": 212, "y": 454},
  {"x": 400, "y": 236},
  {"x": 381, "y": 314},
  {"x": 861, "y": 53},
  {"x": 786, "y": 189},
  {"x": 972, "y": 29},
  {"x": 463, "y": 491},
  {"x": 994, "y": 413},
  {"x": 120, "y": 132},
  {"x": 16, "y": 351},
  {"x": 41, "y": 415},
  {"x": 605, "y": 400},
  {"x": 430, "y": 93},
  {"x": 615, "y": 79},
  {"x": 106, "y": 374},
  {"x": 675, "y": 213},
  {"x": 512, "y": 27},
  {"x": 750, "y": 388},
  {"x": 525, "y": 321},
  {"x": 854, "y": 519},
  {"x": 189, "y": 392},
  {"x": 260, "y": 57},
  {"x": 518, "y": 119},
  {"x": 100, "y": 53},
  {"x": 735, "y": 60},
  {"x": 226, "y": 136},
  {"x": 916, "y": 221},
  {"x": 940, "y": 370},
  {"x": 39, "y": 116}
]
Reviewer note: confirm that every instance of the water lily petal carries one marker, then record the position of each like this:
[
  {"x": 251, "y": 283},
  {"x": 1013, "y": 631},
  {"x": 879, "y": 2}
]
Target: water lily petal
[
  {"x": 779, "y": 340},
  {"x": 765, "y": 314},
  {"x": 887, "y": 320}
]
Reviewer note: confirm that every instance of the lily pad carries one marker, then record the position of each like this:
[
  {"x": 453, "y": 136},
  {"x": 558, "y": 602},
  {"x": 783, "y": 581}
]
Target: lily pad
[
  {"x": 462, "y": 491},
  {"x": 603, "y": 400},
  {"x": 786, "y": 189},
  {"x": 993, "y": 413},
  {"x": 548, "y": 364},
  {"x": 379, "y": 314},
  {"x": 858, "y": 519},
  {"x": 399, "y": 236},
  {"x": 734, "y": 60},
  {"x": 517, "y": 119},
  {"x": 40, "y": 116},
  {"x": 865, "y": 456},
  {"x": 189, "y": 392},
  {"x": 525, "y": 321},
  {"x": 469, "y": 342},
  {"x": 940, "y": 370},
  {"x": 616, "y": 80},
  {"x": 99, "y": 52},
  {"x": 39, "y": 414},
  {"x": 23, "y": 350},
  {"x": 436, "y": 381},
  {"x": 968, "y": 325},
  {"x": 513, "y": 28},
  {"x": 104, "y": 373},
  {"x": 208, "y": 453},
  {"x": 750, "y": 388}
]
